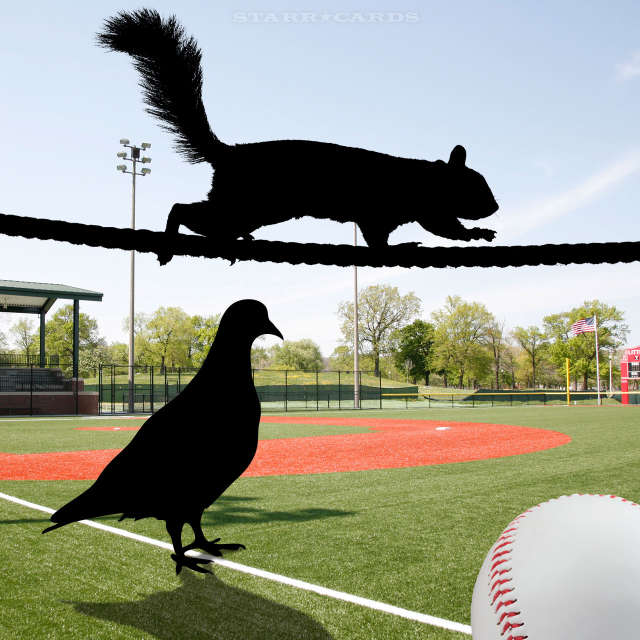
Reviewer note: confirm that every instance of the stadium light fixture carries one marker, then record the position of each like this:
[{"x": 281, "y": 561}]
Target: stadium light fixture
[{"x": 135, "y": 157}]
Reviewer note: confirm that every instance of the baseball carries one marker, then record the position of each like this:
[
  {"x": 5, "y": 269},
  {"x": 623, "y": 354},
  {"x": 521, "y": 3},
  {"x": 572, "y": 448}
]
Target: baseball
[{"x": 565, "y": 569}]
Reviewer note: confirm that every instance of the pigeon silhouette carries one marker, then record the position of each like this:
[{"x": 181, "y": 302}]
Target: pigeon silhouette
[{"x": 189, "y": 452}]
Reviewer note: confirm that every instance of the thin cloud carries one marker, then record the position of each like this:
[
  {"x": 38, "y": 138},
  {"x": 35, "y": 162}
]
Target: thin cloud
[
  {"x": 630, "y": 68},
  {"x": 535, "y": 214}
]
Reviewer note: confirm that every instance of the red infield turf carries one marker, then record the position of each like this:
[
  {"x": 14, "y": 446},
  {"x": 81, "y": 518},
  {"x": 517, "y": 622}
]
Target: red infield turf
[{"x": 390, "y": 444}]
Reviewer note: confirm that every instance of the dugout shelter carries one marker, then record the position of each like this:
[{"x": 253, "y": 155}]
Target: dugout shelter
[{"x": 37, "y": 298}]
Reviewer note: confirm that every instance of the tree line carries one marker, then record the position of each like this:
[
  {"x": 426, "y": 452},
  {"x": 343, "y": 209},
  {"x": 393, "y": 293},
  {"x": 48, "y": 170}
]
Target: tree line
[
  {"x": 462, "y": 344},
  {"x": 169, "y": 337}
]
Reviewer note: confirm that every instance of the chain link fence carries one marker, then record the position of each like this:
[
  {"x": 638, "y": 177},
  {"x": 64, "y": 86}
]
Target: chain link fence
[
  {"x": 152, "y": 387},
  {"x": 26, "y": 388},
  {"x": 278, "y": 390},
  {"x": 33, "y": 359}
]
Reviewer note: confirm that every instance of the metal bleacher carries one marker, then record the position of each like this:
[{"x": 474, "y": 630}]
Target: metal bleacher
[{"x": 32, "y": 379}]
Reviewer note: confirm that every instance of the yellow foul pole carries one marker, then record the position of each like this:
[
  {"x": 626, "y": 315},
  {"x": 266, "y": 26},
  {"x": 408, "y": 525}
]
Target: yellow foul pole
[{"x": 566, "y": 362}]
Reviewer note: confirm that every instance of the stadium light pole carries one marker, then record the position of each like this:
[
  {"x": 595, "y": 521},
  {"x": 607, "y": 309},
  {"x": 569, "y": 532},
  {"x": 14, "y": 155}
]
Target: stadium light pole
[
  {"x": 134, "y": 159},
  {"x": 356, "y": 363}
]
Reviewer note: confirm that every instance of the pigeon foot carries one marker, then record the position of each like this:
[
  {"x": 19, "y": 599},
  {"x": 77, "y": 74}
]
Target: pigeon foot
[
  {"x": 212, "y": 546},
  {"x": 190, "y": 563},
  {"x": 214, "y": 549}
]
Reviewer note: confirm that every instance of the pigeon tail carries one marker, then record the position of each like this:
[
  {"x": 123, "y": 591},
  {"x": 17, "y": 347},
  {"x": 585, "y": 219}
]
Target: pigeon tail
[{"x": 86, "y": 505}]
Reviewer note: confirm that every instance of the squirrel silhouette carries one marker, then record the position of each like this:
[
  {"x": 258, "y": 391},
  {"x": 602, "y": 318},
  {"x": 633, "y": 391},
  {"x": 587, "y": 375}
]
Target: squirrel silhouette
[{"x": 263, "y": 183}]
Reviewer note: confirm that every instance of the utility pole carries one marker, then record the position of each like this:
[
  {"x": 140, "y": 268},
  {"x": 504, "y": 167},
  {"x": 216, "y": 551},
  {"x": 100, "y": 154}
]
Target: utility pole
[
  {"x": 595, "y": 320},
  {"x": 356, "y": 363},
  {"x": 135, "y": 157}
]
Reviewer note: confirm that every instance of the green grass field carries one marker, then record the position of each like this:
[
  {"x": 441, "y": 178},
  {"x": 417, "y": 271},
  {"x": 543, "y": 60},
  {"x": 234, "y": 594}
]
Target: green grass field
[{"x": 412, "y": 537}]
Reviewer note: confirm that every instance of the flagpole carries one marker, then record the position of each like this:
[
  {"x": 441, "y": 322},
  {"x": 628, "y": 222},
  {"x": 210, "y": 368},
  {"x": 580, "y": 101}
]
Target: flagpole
[{"x": 597, "y": 357}]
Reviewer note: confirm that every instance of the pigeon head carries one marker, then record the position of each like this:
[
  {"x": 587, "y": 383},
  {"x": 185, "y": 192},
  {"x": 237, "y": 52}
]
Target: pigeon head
[{"x": 248, "y": 318}]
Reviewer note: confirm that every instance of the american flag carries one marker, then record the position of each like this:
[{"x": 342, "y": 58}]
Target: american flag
[{"x": 583, "y": 326}]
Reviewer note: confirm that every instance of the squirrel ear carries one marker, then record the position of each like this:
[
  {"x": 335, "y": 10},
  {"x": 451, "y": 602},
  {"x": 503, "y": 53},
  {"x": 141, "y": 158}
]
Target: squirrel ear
[{"x": 458, "y": 156}]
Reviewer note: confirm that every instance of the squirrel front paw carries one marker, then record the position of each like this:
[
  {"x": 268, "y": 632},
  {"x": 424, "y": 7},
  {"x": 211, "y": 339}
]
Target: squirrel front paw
[{"x": 483, "y": 234}]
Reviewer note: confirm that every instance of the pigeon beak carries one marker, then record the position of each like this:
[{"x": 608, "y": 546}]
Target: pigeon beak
[{"x": 272, "y": 329}]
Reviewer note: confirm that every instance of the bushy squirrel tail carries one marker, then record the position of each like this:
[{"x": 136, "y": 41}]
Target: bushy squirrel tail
[{"x": 168, "y": 62}]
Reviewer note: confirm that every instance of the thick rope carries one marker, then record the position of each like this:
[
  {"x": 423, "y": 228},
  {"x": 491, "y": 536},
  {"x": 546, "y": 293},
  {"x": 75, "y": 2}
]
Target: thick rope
[{"x": 146, "y": 241}]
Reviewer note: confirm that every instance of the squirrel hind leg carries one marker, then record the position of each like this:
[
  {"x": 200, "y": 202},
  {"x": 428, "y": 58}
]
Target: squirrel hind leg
[{"x": 196, "y": 216}]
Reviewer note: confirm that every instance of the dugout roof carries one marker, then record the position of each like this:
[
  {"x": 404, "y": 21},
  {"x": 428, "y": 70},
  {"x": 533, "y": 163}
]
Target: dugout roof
[{"x": 39, "y": 297}]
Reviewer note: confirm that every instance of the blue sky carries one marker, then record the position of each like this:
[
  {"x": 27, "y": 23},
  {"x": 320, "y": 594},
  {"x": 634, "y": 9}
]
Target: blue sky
[{"x": 544, "y": 96}]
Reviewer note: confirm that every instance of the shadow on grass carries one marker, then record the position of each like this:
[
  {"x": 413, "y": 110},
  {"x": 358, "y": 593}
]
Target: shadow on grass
[
  {"x": 229, "y": 510},
  {"x": 206, "y": 608},
  {"x": 25, "y": 520},
  {"x": 233, "y": 510},
  {"x": 48, "y": 520}
]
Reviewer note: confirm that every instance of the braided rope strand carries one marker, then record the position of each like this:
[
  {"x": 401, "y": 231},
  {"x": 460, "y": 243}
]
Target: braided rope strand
[{"x": 145, "y": 241}]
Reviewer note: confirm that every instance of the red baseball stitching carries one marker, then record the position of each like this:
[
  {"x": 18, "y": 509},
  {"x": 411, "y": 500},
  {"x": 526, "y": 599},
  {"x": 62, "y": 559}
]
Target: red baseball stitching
[{"x": 499, "y": 592}]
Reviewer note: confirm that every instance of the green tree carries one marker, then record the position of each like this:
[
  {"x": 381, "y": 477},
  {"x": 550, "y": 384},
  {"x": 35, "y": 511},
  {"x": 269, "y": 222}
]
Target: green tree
[
  {"x": 117, "y": 353},
  {"x": 342, "y": 360},
  {"x": 534, "y": 343},
  {"x": 144, "y": 350},
  {"x": 260, "y": 358},
  {"x": 24, "y": 335},
  {"x": 205, "y": 329},
  {"x": 497, "y": 346},
  {"x": 581, "y": 349},
  {"x": 480, "y": 368},
  {"x": 89, "y": 360},
  {"x": 59, "y": 333},
  {"x": 510, "y": 362},
  {"x": 164, "y": 337},
  {"x": 170, "y": 333},
  {"x": 461, "y": 334},
  {"x": 300, "y": 354},
  {"x": 381, "y": 310},
  {"x": 414, "y": 344}
]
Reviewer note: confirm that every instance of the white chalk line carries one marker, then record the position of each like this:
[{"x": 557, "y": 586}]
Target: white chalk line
[{"x": 268, "y": 575}]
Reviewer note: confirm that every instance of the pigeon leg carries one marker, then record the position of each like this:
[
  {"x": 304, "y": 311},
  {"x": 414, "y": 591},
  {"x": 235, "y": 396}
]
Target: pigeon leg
[
  {"x": 174, "y": 529},
  {"x": 209, "y": 546}
]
